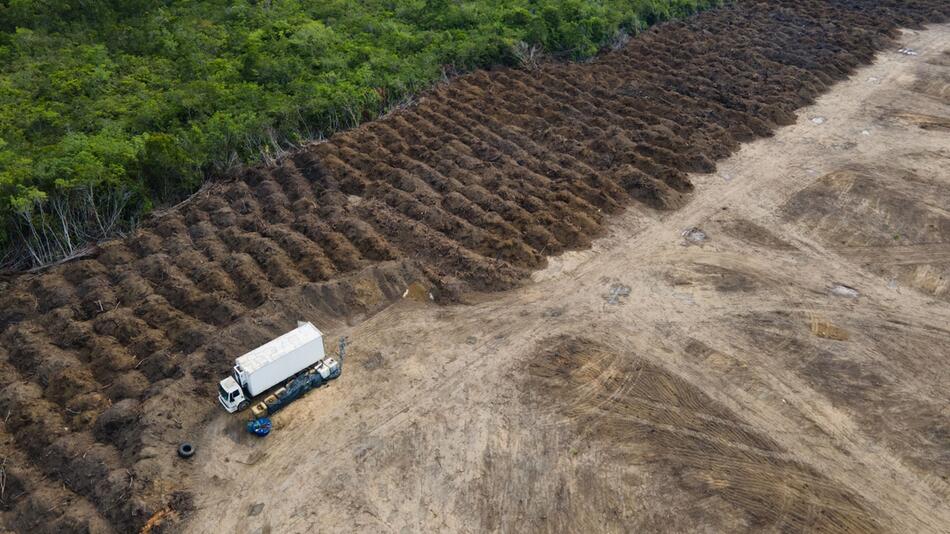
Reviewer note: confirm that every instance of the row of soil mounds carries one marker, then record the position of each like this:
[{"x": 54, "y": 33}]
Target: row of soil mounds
[{"x": 106, "y": 362}]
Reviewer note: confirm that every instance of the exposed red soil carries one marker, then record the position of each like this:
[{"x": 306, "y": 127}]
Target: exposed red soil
[{"x": 108, "y": 361}]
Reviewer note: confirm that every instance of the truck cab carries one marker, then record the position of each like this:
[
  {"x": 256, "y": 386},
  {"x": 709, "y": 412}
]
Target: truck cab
[{"x": 231, "y": 396}]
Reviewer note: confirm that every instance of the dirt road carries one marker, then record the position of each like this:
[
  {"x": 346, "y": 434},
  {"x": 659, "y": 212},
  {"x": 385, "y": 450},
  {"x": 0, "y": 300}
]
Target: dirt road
[{"x": 783, "y": 369}]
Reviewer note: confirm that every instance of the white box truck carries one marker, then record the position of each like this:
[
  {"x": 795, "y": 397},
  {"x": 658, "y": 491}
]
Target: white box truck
[{"x": 271, "y": 363}]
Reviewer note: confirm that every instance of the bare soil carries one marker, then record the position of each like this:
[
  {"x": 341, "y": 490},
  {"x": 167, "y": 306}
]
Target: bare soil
[
  {"x": 635, "y": 381},
  {"x": 786, "y": 373}
]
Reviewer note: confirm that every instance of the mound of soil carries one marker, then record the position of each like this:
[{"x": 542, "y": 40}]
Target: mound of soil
[{"x": 108, "y": 362}]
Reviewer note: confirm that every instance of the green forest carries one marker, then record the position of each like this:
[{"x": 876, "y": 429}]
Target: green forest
[{"x": 111, "y": 108}]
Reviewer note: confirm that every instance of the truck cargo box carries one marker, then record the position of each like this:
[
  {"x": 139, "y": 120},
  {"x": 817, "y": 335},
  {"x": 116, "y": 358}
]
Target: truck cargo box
[{"x": 278, "y": 360}]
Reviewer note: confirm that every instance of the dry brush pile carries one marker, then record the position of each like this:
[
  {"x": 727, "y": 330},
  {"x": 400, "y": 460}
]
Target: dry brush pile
[{"x": 469, "y": 189}]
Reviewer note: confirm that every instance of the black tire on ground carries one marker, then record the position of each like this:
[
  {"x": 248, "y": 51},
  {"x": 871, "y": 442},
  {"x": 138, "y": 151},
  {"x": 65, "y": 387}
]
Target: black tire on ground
[
  {"x": 186, "y": 450},
  {"x": 243, "y": 406}
]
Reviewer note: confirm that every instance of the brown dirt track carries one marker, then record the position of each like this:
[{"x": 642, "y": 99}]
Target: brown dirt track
[{"x": 109, "y": 361}]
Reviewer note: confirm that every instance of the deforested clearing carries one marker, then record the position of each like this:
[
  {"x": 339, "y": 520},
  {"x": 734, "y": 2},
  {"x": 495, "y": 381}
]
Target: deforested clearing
[{"x": 581, "y": 366}]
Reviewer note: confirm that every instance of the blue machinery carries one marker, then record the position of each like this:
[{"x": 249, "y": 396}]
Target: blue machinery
[{"x": 312, "y": 378}]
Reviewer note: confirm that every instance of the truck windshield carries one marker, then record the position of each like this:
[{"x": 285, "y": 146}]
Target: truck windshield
[{"x": 222, "y": 392}]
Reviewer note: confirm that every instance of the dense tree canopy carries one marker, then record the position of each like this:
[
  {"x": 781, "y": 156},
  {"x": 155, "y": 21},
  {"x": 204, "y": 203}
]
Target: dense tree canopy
[{"x": 141, "y": 100}]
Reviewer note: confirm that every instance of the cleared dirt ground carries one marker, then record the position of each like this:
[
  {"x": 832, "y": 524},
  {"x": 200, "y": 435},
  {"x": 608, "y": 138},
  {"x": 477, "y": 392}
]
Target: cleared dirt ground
[{"x": 786, "y": 373}]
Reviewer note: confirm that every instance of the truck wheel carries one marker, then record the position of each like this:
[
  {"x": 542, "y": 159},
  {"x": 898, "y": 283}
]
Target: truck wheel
[
  {"x": 186, "y": 450},
  {"x": 243, "y": 406}
]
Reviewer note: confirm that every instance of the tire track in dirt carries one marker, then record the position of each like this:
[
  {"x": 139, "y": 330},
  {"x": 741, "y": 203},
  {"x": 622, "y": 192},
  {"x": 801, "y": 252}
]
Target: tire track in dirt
[
  {"x": 468, "y": 190},
  {"x": 647, "y": 415}
]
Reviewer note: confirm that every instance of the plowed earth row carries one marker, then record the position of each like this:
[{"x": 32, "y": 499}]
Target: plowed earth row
[{"x": 108, "y": 361}]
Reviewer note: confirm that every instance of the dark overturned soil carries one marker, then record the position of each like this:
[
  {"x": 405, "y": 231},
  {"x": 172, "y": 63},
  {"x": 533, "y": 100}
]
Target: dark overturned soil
[{"x": 108, "y": 362}]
